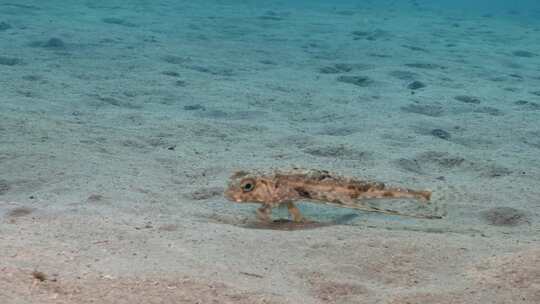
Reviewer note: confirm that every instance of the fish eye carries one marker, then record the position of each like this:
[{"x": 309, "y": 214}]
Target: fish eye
[{"x": 247, "y": 185}]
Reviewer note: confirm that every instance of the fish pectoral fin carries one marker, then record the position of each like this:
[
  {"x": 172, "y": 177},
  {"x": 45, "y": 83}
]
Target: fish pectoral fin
[
  {"x": 295, "y": 212},
  {"x": 359, "y": 206}
]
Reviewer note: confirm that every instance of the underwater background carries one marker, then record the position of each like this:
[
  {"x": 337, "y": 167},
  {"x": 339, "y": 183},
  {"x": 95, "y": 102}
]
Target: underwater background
[{"x": 121, "y": 122}]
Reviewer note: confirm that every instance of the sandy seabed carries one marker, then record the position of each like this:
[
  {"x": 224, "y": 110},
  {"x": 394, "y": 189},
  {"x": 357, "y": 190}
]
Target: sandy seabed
[{"x": 120, "y": 124}]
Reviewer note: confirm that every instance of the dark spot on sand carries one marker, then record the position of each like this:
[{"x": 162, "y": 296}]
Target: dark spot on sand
[
  {"x": 442, "y": 159},
  {"x": 370, "y": 35},
  {"x": 268, "y": 62},
  {"x": 504, "y": 216},
  {"x": 38, "y": 275},
  {"x": 415, "y": 48},
  {"x": 95, "y": 198},
  {"x": 130, "y": 143},
  {"x": 411, "y": 165},
  {"x": 194, "y": 107},
  {"x": 168, "y": 227},
  {"x": 532, "y": 139},
  {"x": 4, "y": 26},
  {"x": 206, "y": 193},
  {"x": 513, "y": 65},
  {"x": 160, "y": 140},
  {"x": 176, "y": 59},
  {"x": 403, "y": 75},
  {"x": 32, "y": 78},
  {"x": 328, "y": 70},
  {"x": 337, "y": 131},
  {"x": 285, "y": 225},
  {"x": 19, "y": 212},
  {"x": 4, "y": 186},
  {"x": 10, "y": 61},
  {"x": 361, "y": 81},
  {"x": 55, "y": 43},
  {"x": 525, "y": 54},
  {"x": 529, "y": 105},
  {"x": 493, "y": 171},
  {"x": 118, "y": 21},
  {"x": 336, "y": 292},
  {"x": 236, "y": 115},
  {"x": 336, "y": 68},
  {"x": 415, "y": 85},
  {"x": 425, "y": 66},
  {"x": 180, "y": 83},
  {"x": 271, "y": 18},
  {"x": 345, "y": 13},
  {"x": 440, "y": 133},
  {"x": 431, "y": 162},
  {"x": 489, "y": 110},
  {"x": 434, "y": 162},
  {"x": 360, "y": 33},
  {"x": 298, "y": 141},
  {"x": 497, "y": 79},
  {"x": 516, "y": 76},
  {"x": 379, "y": 55},
  {"x": 433, "y": 110},
  {"x": 537, "y": 93},
  {"x": 288, "y": 225},
  {"x": 171, "y": 73},
  {"x": 22, "y": 6},
  {"x": 52, "y": 43},
  {"x": 27, "y": 93},
  {"x": 217, "y": 71},
  {"x": 117, "y": 102},
  {"x": 467, "y": 99},
  {"x": 340, "y": 152}
]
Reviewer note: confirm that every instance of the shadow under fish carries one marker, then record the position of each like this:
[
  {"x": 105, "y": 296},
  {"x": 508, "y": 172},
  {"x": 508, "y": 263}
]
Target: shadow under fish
[{"x": 290, "y": 225}]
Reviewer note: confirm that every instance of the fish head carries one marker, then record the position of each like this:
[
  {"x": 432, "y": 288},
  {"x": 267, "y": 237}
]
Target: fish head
[{"x": 245, "y": 187}]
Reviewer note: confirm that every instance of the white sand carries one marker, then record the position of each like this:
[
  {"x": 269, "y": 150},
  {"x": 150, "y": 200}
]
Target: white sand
[{"x": 115, "y": 147}]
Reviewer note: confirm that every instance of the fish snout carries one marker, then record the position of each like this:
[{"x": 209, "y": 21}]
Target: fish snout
[{"x": 233, "y": 196}]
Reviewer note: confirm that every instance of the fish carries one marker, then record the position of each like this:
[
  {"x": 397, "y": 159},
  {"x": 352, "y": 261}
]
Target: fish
[{"x": 285, "y": 188}]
